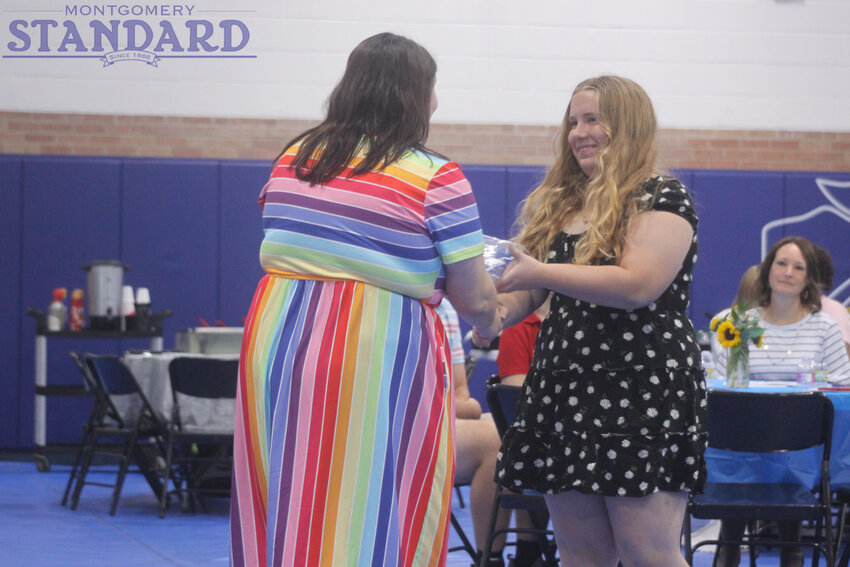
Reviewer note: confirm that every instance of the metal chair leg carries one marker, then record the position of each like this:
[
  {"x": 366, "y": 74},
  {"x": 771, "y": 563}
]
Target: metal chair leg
[
  {"x": 467, "y": 545},
  {"x": 122, "y": 473},
  {"x": 84, "y": 471},
  {"x": 75, "y": 468}
]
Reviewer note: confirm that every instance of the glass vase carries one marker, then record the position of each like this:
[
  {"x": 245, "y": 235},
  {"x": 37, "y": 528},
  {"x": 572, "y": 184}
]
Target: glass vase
[{"x": 738, "y": 367}]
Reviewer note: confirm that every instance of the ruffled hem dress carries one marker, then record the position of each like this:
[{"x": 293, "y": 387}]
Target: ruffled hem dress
[
  {"x": 343, "y": 447},
  {"x": 615, "y": 401}
]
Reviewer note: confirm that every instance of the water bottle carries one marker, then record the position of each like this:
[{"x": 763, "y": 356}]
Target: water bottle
[{"x": 821, "y": 374}]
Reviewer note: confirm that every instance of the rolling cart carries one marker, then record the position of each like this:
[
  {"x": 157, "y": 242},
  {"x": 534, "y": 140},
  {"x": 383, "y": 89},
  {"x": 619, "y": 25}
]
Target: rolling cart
[{"x": 43, "y": 389}]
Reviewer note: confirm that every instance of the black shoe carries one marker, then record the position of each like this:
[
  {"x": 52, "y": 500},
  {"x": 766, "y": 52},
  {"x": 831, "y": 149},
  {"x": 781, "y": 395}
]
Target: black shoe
[{"x": 727, "y": 556}]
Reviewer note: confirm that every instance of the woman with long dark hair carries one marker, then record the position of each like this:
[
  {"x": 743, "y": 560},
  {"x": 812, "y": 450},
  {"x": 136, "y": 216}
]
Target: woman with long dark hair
[{"x": 344, "y": 442}]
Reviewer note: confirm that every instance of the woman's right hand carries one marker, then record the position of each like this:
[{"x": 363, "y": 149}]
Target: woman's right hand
[{"x": 482, "y": 337}]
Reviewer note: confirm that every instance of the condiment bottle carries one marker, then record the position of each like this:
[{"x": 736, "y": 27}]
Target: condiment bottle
[
  {"x": 57, "y": 313},
  {"x": 77, "y": 316}
]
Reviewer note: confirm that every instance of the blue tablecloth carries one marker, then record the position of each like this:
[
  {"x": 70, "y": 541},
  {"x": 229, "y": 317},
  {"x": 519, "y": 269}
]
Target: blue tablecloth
[{"x": 800, "y": 466}]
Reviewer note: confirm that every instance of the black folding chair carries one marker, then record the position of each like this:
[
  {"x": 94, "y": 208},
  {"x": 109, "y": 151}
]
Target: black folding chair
[
  {"x": 842, "y": 500},
  {"x": 131, "y": 421},
  {"x": 768, "y": 423},
  {"x": 199, "y": 455},
  {"x": 503, "y": 400},
  {"x": 466, "y": 544},
  {"x": 99, "y": 405}
]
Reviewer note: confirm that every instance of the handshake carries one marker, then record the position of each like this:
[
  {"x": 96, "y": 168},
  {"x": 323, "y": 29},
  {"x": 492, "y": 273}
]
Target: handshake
[{"x": 480, "y": 339}]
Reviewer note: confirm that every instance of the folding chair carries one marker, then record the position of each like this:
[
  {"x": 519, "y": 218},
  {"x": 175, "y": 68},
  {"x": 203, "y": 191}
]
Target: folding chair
[
  {"x": 199, "y": 448},
  {"x": 466, "y": 544},
  {"x": 503, "y": 400},
  {"x": 768, "y": 423},
  {"x": 132, "y": 424},
  {"x": 842, "y": 499},
  {"x": 99, "y": 405}
]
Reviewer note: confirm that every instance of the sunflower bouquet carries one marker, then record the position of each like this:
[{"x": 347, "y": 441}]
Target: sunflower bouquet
[{"x": 736, "y": 330}]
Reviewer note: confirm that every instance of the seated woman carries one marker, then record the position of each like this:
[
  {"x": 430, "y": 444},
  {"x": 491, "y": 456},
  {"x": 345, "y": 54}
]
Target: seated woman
[
  {"x": 789, "y": 306},
  {"x": 477, "y": 443},
  {"x": 795, "y": 331}
]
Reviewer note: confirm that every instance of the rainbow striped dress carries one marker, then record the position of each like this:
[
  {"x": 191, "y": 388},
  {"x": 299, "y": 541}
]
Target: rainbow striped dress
[{"x": 343, "y": 449}]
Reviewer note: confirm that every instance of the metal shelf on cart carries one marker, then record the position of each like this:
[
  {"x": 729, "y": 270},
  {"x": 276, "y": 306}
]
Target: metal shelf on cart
[
  {"x": 102, "y": 334},
  {"x": 154, "y": 331},
  {"x": 68, "y": 390}
]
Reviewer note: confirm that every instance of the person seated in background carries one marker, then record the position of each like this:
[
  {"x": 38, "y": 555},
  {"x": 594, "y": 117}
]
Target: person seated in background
[
  {"x": 516, "y": 346},
  {"x": 824, "y": 276},
  {"x": 476, "y": 444},
  {"x": 516, "y": 351},
  {"x": 795, "y": 331},
  {"x": 747, "y": 296}
]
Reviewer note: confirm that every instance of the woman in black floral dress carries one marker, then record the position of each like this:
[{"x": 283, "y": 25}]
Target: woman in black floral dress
[{"x": 611, "y": 421}]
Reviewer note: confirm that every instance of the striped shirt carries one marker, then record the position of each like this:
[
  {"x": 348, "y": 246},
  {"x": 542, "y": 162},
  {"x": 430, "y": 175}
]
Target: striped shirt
[
  {"x": 451, "y": 324},
  {"x": 814, "y": 338},
  {"x": 394, "y": 228}
]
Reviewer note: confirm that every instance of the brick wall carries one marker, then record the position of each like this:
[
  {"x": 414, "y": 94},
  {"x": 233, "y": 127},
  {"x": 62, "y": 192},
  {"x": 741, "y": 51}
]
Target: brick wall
[{"x": 238, "y": 138}]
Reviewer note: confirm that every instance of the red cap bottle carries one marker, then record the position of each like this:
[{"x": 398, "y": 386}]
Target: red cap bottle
[{"x": 77, "y": 317}]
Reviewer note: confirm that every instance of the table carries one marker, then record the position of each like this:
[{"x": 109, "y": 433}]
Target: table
[
  {"x": 151, "y": 371},
  {"x": 802, "y": 466}
]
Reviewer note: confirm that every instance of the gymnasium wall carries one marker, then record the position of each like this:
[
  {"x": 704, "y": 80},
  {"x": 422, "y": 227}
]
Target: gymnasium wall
[{"x": 190, "y": 228}]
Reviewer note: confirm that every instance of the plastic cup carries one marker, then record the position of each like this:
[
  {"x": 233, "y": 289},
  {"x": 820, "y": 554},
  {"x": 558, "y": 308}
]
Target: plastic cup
[
  {"x": 497, "y": 256},
  {"x": 143, "y": 296},
  {"x": 128, "y": 306}
]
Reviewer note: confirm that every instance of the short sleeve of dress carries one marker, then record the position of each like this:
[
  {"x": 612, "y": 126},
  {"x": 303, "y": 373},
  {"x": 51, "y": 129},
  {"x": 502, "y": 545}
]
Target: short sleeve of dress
[
  {"x": 451, "y": 215},
  {"x": 673, "y": 197}
]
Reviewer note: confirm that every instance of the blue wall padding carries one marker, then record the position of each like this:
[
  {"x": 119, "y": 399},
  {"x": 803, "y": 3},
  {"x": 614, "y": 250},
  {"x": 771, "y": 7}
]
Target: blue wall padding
[
  {"x": 730, "y": 205},
  {"x": 171, "y": 236},
  {"x": 489, "y": 185},
  {"x": 190, "y": 231},
  {"x": 803, "y": 195},
  {"x": 240, "y": 233},
  {"x": 521, "y": 181},
  {"x": 11, "y": 176}
]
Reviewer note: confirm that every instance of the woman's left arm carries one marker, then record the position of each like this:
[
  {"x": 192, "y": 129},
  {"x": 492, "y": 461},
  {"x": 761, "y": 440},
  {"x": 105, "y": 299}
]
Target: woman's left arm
[
  {"x": 835, "y": 354},
  {"x": 656, "y": 245}
]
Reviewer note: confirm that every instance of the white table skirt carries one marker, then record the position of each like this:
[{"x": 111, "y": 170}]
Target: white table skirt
[{"x": 151, "y": 371}]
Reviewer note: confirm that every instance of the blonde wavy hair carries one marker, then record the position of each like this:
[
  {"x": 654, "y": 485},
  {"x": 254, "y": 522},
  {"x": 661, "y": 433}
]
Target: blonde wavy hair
[{"x": 612, "y": 196}]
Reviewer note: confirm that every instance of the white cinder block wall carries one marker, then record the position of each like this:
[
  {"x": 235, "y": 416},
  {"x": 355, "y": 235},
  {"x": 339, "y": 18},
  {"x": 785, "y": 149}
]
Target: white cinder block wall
[{"x": 708, "y": 64}]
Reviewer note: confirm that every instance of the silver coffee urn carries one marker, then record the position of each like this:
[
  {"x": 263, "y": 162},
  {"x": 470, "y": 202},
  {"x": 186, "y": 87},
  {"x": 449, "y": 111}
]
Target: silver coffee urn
[{"x": 105, "y": 280}]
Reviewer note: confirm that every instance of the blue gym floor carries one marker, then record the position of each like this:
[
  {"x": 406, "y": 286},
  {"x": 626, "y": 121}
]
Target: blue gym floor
[{"x": 36, "y": 531}]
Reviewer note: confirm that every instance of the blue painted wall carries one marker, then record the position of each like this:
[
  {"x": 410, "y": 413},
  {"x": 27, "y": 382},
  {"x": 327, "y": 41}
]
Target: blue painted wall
[{"x": 190, "y": 231}]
